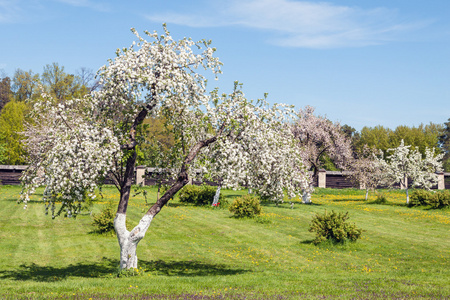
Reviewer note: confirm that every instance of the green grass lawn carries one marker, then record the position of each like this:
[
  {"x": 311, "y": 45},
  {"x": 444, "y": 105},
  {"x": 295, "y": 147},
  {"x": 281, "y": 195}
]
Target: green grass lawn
[{"x": 194, "y": 252}]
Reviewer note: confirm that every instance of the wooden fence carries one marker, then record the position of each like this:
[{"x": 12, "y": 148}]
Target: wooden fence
[{"x": 10, "y": 175}]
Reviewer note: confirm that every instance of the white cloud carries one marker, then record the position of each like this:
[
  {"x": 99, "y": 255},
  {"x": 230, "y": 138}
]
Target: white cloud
[
  {"x": 298, "y": 23},
  {"x": 87, "y": 4},
  {"x": 10, "y": 10},
  {"x": 19, "y": 11}
]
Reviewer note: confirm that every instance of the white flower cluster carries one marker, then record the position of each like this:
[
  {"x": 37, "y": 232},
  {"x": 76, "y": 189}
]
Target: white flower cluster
[
  {"x": 257, "y": 148},
  {"x": 405, "y": 165},
  {"x": 71, "y": 153},
  {"x": 162, "y": 72},
  {"x": 318, "y": 136}
]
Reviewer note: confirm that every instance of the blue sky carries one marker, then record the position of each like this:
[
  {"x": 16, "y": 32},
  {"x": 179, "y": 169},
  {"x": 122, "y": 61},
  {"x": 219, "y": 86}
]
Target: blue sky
[{"x": 362, "y": 63}]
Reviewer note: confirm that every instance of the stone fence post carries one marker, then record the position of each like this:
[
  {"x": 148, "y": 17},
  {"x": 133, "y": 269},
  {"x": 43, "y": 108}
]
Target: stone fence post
[
  {"x": 140, "y": 174},
  {"x": 322, "y": 180},
  {"x": 441, "y": 181}
]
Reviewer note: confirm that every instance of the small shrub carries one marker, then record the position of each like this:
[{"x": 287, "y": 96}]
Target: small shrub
[
  {"x": 247, "y": 206},
  {"x": 419, "y": 198},
  {"x": 104, "y": 221},
  {"x": 439, "y": 199},
  {"x": 334, "y": 227},
  {"x": 381, "y": 198},
  {"x": 200, "y": 195}
]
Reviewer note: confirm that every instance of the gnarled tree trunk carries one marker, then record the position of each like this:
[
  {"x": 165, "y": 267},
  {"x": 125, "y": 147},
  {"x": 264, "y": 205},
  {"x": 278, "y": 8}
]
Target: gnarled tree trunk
[{"x": 128, "y": 240}]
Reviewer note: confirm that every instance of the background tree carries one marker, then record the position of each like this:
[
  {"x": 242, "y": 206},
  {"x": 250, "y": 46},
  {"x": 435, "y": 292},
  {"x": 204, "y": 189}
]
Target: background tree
[
  {"x": 365, "y": 170},
  {"x": 12, "y": 118},
  {"x": 420, "y": 138},
  {"x": 76, "y": 142},
  {"x": 87, "y": 78},
  {"x": 5, "y": 91},
  {"x": 404, "y": 164},
  {"x": 317, "y": 137},
  {"x": 2, "y": 152},
  {"x": 377, "y": 137},
  {"x": 444, "y": 139},
  {"x": 25, "y": 85},
  {"x": 62, "y": 85},
  {"x": 157, "y": 150}
]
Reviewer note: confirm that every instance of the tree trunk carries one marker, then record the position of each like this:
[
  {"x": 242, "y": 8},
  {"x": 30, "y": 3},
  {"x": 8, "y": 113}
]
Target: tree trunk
[
  {"x": 367, "y": 193},
  {"x": 306, "y": 197},
  {"x": 128, "y": 240},
  {"x": 407, "y": 196}
]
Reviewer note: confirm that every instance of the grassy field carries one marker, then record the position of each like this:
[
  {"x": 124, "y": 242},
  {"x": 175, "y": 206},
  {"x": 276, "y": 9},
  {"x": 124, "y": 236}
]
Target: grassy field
[{"x": 203, "y": 253}]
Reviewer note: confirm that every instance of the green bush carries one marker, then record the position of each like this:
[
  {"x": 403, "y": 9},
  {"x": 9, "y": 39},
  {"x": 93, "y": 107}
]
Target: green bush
[
  {"x": 439, "y": 199},
  {"x": 200, "y": 195},
  {"x": 333, "y": 227},
  {"x": 381, "y": 198},
  {"x": 247, "y": 206},
  {"x": 419, "y": 198},
  {"x": 104, "y": 221}
]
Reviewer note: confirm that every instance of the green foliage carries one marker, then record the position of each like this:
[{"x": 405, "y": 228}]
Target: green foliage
[
  {"x": 327, "y": 163},
  {"x": 2, "y": 153},
  {"x": 5, "y": 91},
  {"x": 419, "y": 137},
  {"x": 133, "y": 272},
  {"x": 104, "y": 222},
  {"x": 157, "y": 149},
  {"x": 12, "y": 118},
  {"x": 247, "y": 206},
  {"x": 419, "y": 198},
  {"x": 62, "y": 85},
  {"x": 199, "y": 195},
  {"x": 439, "y": 199},
  {"x": 381, "y": 197},
  {"x": 25, "y": 85},
  {"x": 444, "y": 139},
  {"x": 333, "y": 227}
]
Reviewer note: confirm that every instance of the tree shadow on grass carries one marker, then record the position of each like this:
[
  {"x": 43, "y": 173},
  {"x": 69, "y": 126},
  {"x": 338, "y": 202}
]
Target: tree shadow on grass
[
  {"x": 231, "y": 196},
  {"x": 307, "y": 242},
  {"x": 286, "y": 204},
  {"x": 35, "y": 272},
  {"x": 362, "y": 201},
  {"x": 108, "y": 267},
  {"x": 187, "y": 268},
  {"x": 18, "y": 201}
]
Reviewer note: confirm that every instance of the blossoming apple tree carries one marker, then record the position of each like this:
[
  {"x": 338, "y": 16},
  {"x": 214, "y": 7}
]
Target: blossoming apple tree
[
  {"x": 365, "y": 169},
  {"x": 404, "y": 164},
  {"x": 317, "y": 136},
  {"x": 77, "y": 143}
]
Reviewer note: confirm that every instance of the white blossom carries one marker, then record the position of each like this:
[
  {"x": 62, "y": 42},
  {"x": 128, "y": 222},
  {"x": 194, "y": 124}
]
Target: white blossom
[{"x": 405, "y": 165}]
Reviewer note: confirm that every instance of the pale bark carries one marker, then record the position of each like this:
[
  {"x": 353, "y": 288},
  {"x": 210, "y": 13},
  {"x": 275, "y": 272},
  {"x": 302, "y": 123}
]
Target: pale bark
[
  {"x": 306, "y": 197},
  {"x": 128, "y": 240},
  {"x": 407, "y": 196}
]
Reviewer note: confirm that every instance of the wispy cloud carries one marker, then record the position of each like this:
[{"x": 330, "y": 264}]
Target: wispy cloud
[
  {"x": 88, "y": 4},
  {"x": 10, "y": 10},
  {"x": 18, "y": 11},
  {"x": 299, "y": 23}
]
